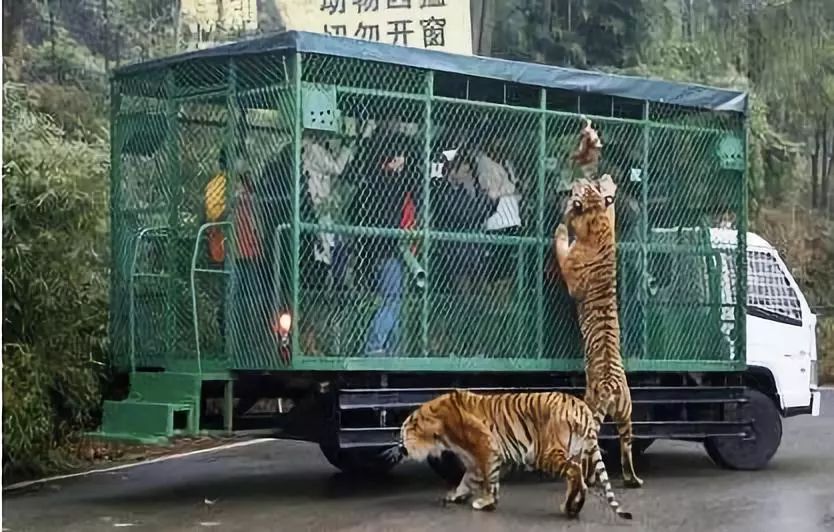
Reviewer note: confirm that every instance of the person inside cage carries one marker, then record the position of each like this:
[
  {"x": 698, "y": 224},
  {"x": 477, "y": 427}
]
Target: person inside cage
[
  {"x": 389, "y": 198},
  {"x": 495, "y": 173},
  {"x": 459, "y": 205},
  {"x": 250, "y": 273},
  {"x": 215, "y": 211},
  {"x": 322, "y": 253},
  {"x": 321, "y": 167}
]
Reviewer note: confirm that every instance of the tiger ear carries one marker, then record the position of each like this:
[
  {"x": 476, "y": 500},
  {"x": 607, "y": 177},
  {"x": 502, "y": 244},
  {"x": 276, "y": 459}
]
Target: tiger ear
[
  {"x": 607, "y": 187},
  {"x": 579, "y": 186}
]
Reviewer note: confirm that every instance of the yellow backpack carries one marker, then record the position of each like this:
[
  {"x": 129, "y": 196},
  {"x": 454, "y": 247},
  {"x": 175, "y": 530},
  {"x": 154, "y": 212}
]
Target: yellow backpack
[
  {"x": 216, "y": 197},
  {"x": 215, "y": 207}
]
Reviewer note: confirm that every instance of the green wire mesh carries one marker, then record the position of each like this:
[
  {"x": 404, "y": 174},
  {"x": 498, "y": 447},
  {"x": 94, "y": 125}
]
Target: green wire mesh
[{"x": 320, "y": 186}]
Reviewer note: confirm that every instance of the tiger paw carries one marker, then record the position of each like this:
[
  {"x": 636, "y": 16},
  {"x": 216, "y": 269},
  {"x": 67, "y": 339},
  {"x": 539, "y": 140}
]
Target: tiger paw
[
  {"x": 591, "y": 480},
  {"x": 486, "y": 504},
  {"x": 453, "y": 497},
  {"x": 561, "y": 233},
  {"x": 571, "y": 510},
  {"x": 634, "y": 482}
]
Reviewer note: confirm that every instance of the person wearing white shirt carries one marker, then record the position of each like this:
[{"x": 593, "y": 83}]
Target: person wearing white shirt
[{"x": 496, "y": 176}]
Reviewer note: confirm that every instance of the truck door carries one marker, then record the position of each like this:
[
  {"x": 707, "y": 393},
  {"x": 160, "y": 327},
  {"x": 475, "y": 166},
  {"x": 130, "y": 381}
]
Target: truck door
[{"x": 778, "y": 336}]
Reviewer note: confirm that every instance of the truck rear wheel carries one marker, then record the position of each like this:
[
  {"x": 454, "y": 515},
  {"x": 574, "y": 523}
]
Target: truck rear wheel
[
  {"x": 365, "y": 461},
  {"x": 756, "y": 452}
]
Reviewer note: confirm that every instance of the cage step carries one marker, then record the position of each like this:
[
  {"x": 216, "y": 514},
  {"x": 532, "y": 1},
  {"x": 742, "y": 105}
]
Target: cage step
[
  {"x": 141, "y": 420},
  {"x": 165, "y": 387}
]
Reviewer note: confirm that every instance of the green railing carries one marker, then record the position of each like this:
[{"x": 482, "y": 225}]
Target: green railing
[{"x": 211, "y": 271}]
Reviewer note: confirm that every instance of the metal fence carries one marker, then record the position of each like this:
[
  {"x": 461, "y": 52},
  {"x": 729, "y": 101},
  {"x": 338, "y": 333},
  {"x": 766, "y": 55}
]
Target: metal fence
[{"x": 403, "y": 217}]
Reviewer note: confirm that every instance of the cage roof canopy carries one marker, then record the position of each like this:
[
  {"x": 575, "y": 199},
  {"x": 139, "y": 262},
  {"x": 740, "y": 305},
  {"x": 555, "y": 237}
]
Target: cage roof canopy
[{"x": 568, "y": 79}]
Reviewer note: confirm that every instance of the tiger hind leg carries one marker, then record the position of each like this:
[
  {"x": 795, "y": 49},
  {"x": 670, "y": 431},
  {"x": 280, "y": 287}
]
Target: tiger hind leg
[
  {"x": 576, "y": 490},
  {"x": 630, "y": 478},
  {"x": 556, "y": 463}
]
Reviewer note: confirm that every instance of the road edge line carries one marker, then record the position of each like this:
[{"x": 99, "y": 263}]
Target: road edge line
[{"x": 165, "y": 458}]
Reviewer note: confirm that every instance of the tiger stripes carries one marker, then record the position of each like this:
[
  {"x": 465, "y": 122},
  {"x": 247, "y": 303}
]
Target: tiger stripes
[
  {"x": 589, "y": 268},
  {"x": 551, "y": 432}
]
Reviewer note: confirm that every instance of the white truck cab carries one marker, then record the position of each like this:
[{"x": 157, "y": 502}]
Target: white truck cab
[{"x": 781, "y": 329}]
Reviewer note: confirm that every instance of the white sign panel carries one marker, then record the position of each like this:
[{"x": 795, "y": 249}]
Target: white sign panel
[
  {"x": 206, "y": 23},
  {"x": 431, "y": 24}
]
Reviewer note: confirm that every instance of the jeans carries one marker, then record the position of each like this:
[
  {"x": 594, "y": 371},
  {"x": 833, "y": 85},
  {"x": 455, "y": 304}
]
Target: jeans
[{"x": 384, "y": 330}]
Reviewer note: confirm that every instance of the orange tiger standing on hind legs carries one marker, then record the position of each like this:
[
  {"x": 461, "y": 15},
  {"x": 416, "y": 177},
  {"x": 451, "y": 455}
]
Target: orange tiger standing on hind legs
[{"x": 589, "y": 268}]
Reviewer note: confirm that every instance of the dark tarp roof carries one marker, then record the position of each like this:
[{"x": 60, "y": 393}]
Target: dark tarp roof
[{"x": 580, "y": 81}]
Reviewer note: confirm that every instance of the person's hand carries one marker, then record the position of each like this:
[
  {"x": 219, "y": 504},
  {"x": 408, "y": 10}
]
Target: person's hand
[
  {"x": 368, "y": 129},
  {"x": 394, "y": 164}
]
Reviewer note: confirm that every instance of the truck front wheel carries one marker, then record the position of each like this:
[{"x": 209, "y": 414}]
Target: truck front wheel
[{"x": 753, "y": 453}]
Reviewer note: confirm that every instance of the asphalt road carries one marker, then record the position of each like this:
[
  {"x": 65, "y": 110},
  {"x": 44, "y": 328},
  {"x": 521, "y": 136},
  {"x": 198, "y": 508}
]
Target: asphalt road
[{"x": 289, "y": 486}]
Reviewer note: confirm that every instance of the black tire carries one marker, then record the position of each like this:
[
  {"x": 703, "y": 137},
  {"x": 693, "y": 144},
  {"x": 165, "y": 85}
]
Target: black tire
[
  {"x": 362, "y": 461},
  {"x": 641, "y": 446},
  {"x": 244, "y": 403},
  {"x": 755, "y": 453},
  {"x": 448, "y": 467}
]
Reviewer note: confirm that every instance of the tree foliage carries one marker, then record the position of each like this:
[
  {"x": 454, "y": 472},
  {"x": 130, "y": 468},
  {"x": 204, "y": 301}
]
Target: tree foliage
[
  {"x": 779, "y": 51},
  {"x": 55, "y": 280}
]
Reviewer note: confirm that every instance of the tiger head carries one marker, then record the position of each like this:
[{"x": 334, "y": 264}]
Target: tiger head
[
  {"x": 432, "y": 428},
  {"x": 589, "y": 201}
]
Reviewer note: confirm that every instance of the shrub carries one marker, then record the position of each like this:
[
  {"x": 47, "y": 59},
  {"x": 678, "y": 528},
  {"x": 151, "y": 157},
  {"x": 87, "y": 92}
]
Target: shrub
[{"x": 55, "y": 282}]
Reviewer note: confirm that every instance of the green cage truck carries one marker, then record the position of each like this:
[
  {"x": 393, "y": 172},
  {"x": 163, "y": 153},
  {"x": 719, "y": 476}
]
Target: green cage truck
[{"x": 353, "y": 228}]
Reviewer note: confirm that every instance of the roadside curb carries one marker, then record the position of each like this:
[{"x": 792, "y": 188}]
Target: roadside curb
[{"x": 120, "y": 467}]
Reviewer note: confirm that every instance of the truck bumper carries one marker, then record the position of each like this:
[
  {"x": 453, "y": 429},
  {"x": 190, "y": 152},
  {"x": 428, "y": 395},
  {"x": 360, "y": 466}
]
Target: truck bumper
[
  {"x": 815, "y": 403},
  {"x": 813, "y": 408},
  {"x": 697, "y": 421}
]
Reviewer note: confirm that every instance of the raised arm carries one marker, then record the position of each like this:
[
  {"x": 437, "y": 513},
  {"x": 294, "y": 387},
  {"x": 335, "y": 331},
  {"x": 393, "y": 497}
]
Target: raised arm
[{"x": 318, "y": 159}]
